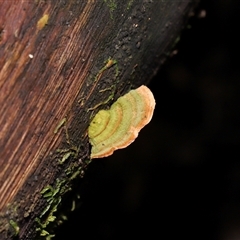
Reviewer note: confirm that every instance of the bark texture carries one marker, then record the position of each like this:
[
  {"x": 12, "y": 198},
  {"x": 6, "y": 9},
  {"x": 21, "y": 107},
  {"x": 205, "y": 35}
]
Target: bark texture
[{"x": 60, "y": 62}]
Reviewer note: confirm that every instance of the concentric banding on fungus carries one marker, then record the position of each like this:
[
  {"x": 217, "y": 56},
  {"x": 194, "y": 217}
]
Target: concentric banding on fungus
[{"x": 119, "y": 126}]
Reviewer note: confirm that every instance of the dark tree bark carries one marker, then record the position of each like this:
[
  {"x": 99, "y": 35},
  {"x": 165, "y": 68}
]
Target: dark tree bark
[{"x": 60, "y": 62}]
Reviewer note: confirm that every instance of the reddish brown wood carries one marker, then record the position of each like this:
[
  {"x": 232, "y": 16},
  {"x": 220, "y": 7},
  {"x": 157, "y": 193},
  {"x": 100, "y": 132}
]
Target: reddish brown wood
[{"x": 55, "y": 63}]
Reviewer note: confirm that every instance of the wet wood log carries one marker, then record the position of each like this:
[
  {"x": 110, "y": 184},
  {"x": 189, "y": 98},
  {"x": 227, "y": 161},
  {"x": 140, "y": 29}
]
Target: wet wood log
[{"x": 60, "y": 62}]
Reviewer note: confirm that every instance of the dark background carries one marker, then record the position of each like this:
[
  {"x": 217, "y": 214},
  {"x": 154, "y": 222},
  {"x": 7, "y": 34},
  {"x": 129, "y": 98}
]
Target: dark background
[{"x": 181, "y": 177}]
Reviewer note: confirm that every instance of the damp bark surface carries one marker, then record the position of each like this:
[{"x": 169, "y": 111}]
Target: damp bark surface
[{"x": 60, "y": 63}]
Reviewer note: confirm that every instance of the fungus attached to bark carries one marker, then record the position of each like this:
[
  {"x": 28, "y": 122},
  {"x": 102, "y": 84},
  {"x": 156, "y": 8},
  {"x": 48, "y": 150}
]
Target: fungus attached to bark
[{"x": 119, "y": 126}]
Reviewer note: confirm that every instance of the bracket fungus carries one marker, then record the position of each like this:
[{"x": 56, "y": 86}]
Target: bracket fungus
[{"x": 119, "y": 126}]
